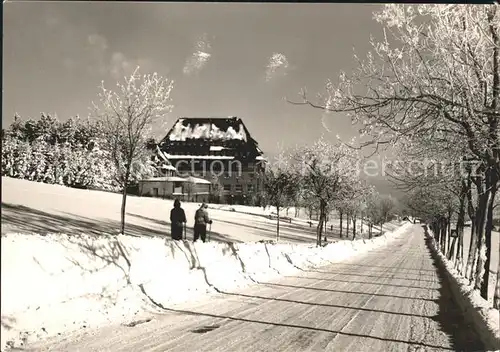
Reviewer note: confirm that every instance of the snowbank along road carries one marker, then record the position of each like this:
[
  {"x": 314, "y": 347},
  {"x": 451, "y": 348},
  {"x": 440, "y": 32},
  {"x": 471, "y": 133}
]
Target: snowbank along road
[{"x": 390, "y": 299}]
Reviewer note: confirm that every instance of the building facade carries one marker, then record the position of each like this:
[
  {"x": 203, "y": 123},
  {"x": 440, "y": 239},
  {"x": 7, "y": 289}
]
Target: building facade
[
  {"x": 190, "y": 189},
  {"x": 219, "y": 150}
]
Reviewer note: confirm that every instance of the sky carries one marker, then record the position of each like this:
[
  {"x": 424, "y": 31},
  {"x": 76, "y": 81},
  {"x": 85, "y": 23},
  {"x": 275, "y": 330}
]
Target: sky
[{"x": 226, "y": 59}]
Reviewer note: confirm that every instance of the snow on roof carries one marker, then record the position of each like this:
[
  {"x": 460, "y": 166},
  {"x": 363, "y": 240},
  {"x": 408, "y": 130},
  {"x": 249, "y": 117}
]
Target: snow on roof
[
  {"x": 198, "y": 180},
  {"x": 161, "y": 154},
  {"x": 190, "y": 179},
  {"x": 216, "y": 148},
  {"x": 166, "y": 178},
  {"x": 260, "y": 157},
  {"x": 168, "y": 167},
  {"x": 183, "y": 130}
]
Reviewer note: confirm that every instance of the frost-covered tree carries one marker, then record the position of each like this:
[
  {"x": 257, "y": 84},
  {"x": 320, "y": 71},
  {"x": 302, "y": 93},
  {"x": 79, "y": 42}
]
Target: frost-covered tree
[
  {"x": 16, "y": 155},
  {"x": 216, "y": 189},
  {"x": 325, "y": 169},
  {"x": 128, "y": 115},
  {"x": 278, "y": 184},
  {"x": 354, "y": 197}
]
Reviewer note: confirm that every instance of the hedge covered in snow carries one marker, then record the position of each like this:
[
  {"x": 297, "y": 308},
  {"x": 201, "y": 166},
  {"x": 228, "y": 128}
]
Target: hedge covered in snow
[{"x": 56, "y": 283}]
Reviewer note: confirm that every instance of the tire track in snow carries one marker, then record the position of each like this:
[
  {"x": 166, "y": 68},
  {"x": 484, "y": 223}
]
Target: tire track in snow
[
  {"x": 233, "y": 328},
  {"x": 179, "y": 335},
  {"x": 388, "y": 279},
  {"x": 226, "y": 332}
]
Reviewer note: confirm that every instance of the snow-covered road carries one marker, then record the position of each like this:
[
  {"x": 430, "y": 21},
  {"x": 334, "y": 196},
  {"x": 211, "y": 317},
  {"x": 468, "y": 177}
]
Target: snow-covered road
[{"x": 390, "y": 299}]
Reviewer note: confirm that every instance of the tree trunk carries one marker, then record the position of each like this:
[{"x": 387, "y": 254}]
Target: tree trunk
[
  {"x": 492, "y": 185},
  {"x": 322, "y": 208},
  {"x": 278, "y": 224},
  {"x": 122, "y": 212},
  {"x": 441, "y": 236},
  {"x": 469, "y": 269},
  {"x": 448, "y": 234},
  {"x": 451, "y": 247},
  {"x": 370, "y": 226},
  {"x": 354, "y": 227},
  {"x": 361, "y": 226},
  {"x": 481, "y": 213},
  {"x": 493, "y": 172},
  {"x": 447, "y": 225},
  {"x": 326, "y": 226},
  {"x": 444, "y": 229},
  {"x": 460, "y": 251},
  {"x": 124, "y": 201},
  {"x": 435, "y": 231},
  {"x": 444, "y": 232},
  {"x": 438, "y": 233},
  {"x": 472, "y": 278},
  {"x": 341, "y": 224},
  {"x": 347, "y": 225},
  {"x": 451, "y": 251},
  {"x": 319, "y": 231},
  {"x": 459, "y": 258}
]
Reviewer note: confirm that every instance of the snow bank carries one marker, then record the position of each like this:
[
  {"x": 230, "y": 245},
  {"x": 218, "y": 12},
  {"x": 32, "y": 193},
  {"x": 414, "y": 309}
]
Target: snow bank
[
  {"x": 476, "y": 309},
  {"x": 55, "y": 284}
]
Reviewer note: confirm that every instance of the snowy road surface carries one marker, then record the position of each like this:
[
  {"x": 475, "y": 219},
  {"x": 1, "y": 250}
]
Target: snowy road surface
[{"x": 390, "y": 299}]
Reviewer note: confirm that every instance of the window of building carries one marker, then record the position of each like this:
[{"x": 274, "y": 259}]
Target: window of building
[
  {"x": 238, "y": 188},
  {"x": 250, "y": 188},
  {"x": 227, "y": 187}
]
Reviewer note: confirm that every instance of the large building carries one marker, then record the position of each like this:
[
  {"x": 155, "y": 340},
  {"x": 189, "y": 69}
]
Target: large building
[{"x": 219, "y": 150}]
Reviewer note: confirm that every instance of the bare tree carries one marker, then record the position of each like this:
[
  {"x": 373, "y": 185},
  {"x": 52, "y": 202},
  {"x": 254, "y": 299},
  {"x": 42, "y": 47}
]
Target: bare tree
[
  {"x": 325, "y": 170},
  {"x": 373, "y": 211},
  {"x": 129, "y": 114}
]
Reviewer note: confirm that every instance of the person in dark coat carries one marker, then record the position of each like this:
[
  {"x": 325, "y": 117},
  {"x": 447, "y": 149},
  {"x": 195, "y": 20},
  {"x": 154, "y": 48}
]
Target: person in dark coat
[
  {"x": 201, "y": 219},
  {"x": 177, "y": 220}
]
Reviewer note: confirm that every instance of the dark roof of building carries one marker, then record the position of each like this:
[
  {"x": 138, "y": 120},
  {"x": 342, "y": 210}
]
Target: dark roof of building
[{"x": 228, "y": 132}]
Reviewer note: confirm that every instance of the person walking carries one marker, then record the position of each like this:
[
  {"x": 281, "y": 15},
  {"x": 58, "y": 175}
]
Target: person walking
[
  {"x": 201, "y": 219},
  {"x": 177, "y": 220}
]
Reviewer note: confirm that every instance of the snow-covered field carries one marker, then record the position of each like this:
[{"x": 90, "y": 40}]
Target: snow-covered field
[
  {"x": 30, "y": 207},
  {"x": 54, "y": 283},
  {"x": 478, "y": 311}
]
